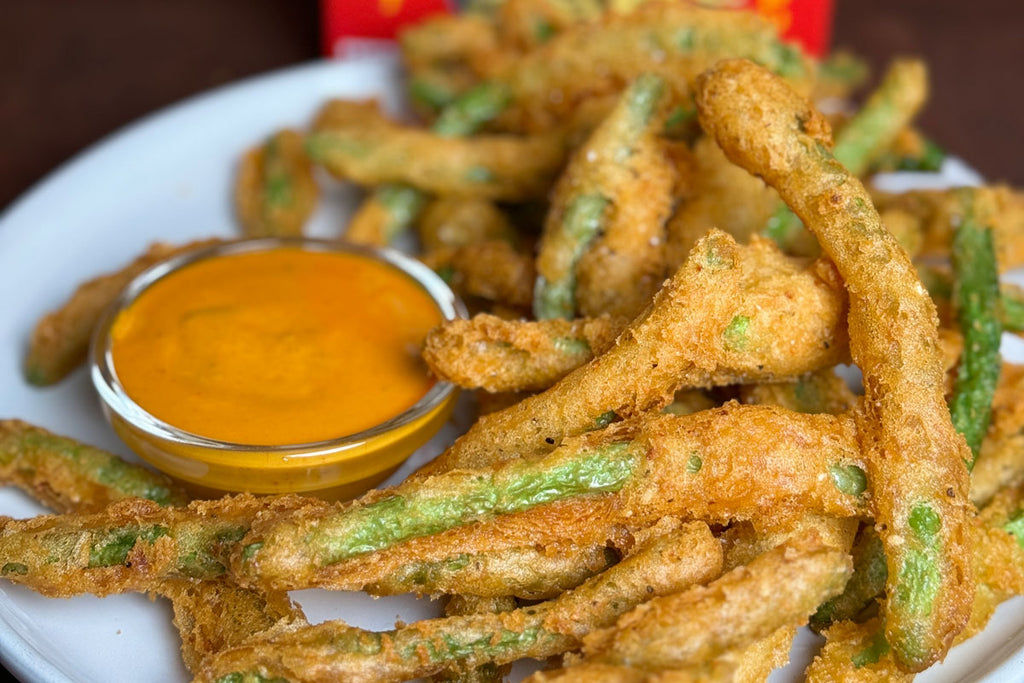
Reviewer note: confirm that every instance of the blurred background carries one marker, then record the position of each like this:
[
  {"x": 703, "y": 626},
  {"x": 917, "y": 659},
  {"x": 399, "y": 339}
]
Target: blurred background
[{"x": 73, "y": 72}]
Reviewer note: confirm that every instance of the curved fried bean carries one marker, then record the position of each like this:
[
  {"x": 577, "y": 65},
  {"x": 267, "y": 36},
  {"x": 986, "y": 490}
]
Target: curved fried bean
[
  {"x": 275, "y": 192},
  {"x": 487, "y": 352},
  {"x": 377, "y": 151},
  {"x": 917, "y": 459},
  {"x": 735, "y": 610},
  {"x": 730, "y": 314},
  {"x": 976, "y": 297},
  {"x": 597, "y": 199},
  {"x": 60, "y": 340},
  {"x": 870, "y": 132}
]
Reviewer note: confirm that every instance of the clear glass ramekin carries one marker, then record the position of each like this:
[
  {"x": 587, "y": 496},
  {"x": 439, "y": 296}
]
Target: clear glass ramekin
[{"x": 338, "y": 468}]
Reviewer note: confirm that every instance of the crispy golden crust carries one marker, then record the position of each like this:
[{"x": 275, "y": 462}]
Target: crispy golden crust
[
  {"x": 917, "y": 457},
  {"x": 724, "y": 196},
  {"x": 493, "y": 270},
  {"x": 368, "y": 148},
  {"x": 213, "y": 615},
  {"x": 60, "y": 339},
  {"x": 275, "y": 192},
  {"x": 739, "y": 608},
  {"x": 730, "y": 314},
  {"x": 1001, "y": 461},
  {"x": 489, "y": 353}
]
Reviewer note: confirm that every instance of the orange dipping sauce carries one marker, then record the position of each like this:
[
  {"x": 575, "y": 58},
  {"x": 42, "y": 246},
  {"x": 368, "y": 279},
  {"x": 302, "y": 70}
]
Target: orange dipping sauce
[{"x": 275, "y": 347}]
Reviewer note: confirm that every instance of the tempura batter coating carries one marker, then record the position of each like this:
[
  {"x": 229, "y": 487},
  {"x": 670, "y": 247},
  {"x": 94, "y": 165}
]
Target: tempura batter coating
[
  {"x": 69, "y": 476},
  {"x": 665, "y": 564},
  {"x": 275, "y": 192},
  {"x": 595, "y": 210},
  {"x": 489, "y": 353},
  {"x": 730, "y": 314},
  {"x": 917, "y": 464},
  {"x": 1001, "y": 461},
  {"x": 493, "y": 270},
  {"x": 630, "y": 474},
  {"x": 376, "y": 151},
  {"x": 674, "y": 40},
  {"x": 733, "y": 611}
]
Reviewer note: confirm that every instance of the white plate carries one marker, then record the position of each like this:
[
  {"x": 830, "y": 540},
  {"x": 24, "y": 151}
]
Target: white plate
[{"x": 169, "y": 177}]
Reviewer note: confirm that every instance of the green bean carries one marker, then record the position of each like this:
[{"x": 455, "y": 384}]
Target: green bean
[
  {"x": 869, "y": 133},
  {"x": 676, "y": 41},
  {"x": 68, "y": 475},
  {"x": 887, "y": 111},
  {"x": 666, "y": 564},
  {"x": 976, "y": 296},
  {"x": 1011, "y": 300},
  {"x": 597, "y": 180},
  {"x": 916, "y": 459},
  {"x": 390, "y": 212},
  {"x": 435, "y": 505},
  {"x": 309, "y": 549},
  {"x": 73, "y": 477},
  {"x": 275, "y": 192},
  {"x": 866, "y": 583}
]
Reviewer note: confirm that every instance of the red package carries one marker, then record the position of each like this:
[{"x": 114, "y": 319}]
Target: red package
[
  {"x": 351, "y": 27},
  {"x": 355, "y": 26}
]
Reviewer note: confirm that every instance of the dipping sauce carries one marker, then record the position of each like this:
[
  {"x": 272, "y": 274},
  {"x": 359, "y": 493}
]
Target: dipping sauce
[{"x": 274, "y": 347}]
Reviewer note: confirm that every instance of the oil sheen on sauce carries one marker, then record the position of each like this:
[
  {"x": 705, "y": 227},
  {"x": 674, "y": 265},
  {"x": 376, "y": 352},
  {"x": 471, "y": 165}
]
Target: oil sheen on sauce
[{"x": 276, "y": 347}]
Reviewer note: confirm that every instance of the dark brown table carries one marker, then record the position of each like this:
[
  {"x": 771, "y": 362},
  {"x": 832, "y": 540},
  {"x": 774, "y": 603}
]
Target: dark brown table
[{"x": 73, "y": 72}]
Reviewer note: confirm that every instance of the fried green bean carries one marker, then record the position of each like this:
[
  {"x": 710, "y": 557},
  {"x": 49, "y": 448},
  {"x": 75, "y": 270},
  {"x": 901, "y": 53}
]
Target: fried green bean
[
  {"x": 60, "y": 340},
  {"x": 132, "y": 545},
  {"x": 594, "y": 197},
  {"x": 493, "y": 354},
  {"x": 391, "y": 210},
  {"x": 275, "y": 192},
  {"x": 730, "y": 314},
  {"x": 493, "y": 270},
  {"x": 1001, "y": 461},
  {"x": 458, "y": 222},
  {"x": 488, "y": 672},
  {"x": 742, "y": 606},
  {"x": 67, "y": 475},
  {"x": 697, "y": 465},
  {"x": 332, "y": 651},
  {"x": 71, "y": 477},
  {"x": 868, "y": 134},
  {"x": 866, "y": 583},
  {"x": 976, "y": 297},
  {"x": 384, "y": 215},
  {"x": 498, "y": 167},
  {"x": 916, "y": 462},
  {"x": 676, "y": 41},
  {"x": 935, "y": 212}
]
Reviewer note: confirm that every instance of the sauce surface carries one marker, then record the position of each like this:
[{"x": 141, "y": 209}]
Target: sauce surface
[{"x": 276, "y": 347}]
